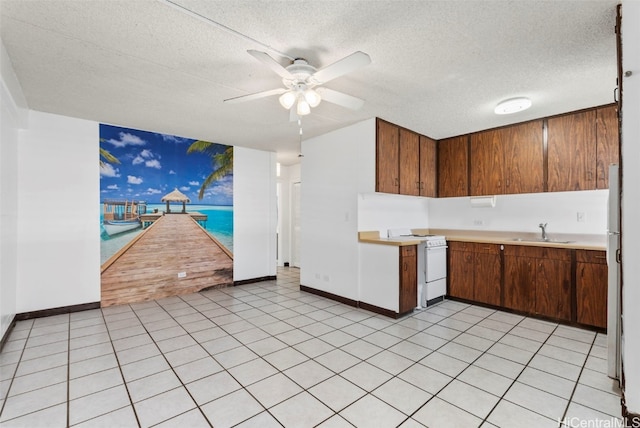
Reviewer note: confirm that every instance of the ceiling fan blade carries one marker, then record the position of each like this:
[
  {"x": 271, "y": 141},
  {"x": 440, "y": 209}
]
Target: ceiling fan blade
[
  {"x": 341, "y": 67},
  {"x": 249, "y": 97},
  {"x": 271, "y": 63},
  {"x": 340, "y": 98}
]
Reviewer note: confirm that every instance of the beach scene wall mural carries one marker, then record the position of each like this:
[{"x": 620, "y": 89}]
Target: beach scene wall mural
[{"x": 166, "y": 215}]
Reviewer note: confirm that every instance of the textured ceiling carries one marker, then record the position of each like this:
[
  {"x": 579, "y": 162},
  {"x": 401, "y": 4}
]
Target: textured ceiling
[{"x": 438, "y": 67}]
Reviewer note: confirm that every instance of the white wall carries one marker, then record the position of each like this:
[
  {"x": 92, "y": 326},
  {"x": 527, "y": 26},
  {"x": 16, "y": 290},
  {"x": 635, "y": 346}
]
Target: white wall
[
  {"x": 254, "y": 213},
  {"x": 335, "y": 168},
  {"x": 58, "y": 207},
  {"x": 631, "y": 201},
  {"x": 381, "y": 211},
  {"x": 58, "y": 204},
  {"x": 49, "y": 208},
  {"x": 13, "y": 116},
  {"x": 523, "y": 213}
]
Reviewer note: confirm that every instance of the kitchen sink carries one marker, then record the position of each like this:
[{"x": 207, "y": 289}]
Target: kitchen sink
[{"x": 551, "y": 241}]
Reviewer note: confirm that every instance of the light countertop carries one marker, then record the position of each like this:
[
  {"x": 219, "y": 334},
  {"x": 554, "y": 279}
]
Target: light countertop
[{"x": 557, "y": 240}]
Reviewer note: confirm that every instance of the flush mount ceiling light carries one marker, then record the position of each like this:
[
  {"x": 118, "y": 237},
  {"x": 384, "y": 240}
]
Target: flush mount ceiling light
[{"x": 513, "y": 105}]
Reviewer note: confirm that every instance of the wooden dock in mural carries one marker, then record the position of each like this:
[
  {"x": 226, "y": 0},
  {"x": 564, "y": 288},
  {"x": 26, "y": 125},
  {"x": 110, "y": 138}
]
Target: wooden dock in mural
[{"x": 151, "y": 266}]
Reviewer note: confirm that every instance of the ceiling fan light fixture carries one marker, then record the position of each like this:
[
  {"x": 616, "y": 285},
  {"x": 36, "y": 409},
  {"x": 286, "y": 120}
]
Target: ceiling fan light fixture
[
  {"x": 312, "y": 97},
  {"x": 513, "y": 105},
  {"x": 303, "y": 107},
  {"x": 287, "y": 99}
]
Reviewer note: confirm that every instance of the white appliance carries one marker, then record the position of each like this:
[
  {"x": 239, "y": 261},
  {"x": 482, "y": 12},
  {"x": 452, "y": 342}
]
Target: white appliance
[
  {"x": 432, "y": 270},
  {"x": 432, "y": 265},
  {"x": 614, "y": 319}
]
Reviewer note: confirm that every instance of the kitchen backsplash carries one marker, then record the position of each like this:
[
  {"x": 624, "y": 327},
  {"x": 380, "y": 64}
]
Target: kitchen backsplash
[
  {"x": 565, "y": 212},
  {"x": 583, "y": 212}
]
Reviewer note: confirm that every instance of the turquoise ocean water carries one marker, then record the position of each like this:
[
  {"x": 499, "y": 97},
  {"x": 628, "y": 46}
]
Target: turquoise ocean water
[{"x": 219, "y": 222}]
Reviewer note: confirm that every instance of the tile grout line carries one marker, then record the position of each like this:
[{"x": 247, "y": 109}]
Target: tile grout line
[
  {"x": 170, "y": 366},
  {"x": 468, "y": 365},
  {"x": 124, "y": 381},
  {"x": 15, "y": 371},
  {"x": 520, "y": 374}
]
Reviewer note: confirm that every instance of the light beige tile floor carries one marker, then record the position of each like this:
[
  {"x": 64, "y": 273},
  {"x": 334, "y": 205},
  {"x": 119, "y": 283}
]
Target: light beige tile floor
[{"x": 269, "y": 355}]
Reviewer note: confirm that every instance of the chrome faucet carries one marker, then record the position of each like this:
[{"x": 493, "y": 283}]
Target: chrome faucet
[{"x": 543, "y": 226}]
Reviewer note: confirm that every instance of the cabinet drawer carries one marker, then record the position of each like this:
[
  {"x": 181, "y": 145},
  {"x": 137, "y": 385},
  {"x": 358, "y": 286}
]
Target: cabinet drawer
[
  {"x": 538, "y": 252},
  {"x": 591, "y": 256},
  {"x": 486, "y": 248},
  {"x": 408, "y": 250},
  {"x": 459, "y": 246}
]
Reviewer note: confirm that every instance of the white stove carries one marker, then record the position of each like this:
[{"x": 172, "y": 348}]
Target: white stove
[{"x": 432, "y": 266}]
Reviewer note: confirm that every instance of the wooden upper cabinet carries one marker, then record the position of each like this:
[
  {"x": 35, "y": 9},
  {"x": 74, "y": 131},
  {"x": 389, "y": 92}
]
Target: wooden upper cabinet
[
  {"x": 428, "y": 167},
  {"x": 571, "y": 145},
  {"x": 508, "y": 160},
  {"x": 487, "y": 166},
  {"x": 387, "y": 157},
  {"x": 607, "y": 145},
  {"x": 524, "y": 158},
  {"x": 453, "y": 161},
  {"x": 409, "y": 163}
]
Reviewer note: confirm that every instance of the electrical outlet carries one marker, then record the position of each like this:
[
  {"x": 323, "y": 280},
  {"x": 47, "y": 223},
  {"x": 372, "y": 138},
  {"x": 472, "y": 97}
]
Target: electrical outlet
[
  {"x": 581, "y": 217},
  {"x": 478, "y": 222},
  {"x": 326, "y": 278},
  {"x": 182, "y": 274}
]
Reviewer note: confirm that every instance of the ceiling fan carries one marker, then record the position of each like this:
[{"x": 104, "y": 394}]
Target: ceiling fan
[{"x": 303, "y": 83}]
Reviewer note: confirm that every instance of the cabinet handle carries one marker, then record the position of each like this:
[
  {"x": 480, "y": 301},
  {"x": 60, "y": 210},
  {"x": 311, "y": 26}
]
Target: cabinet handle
[
  {"x": 418, "y": 184},
  {"x": 405, "y": 266},
  {"x": 421, "y": 185},
  {"x": 508, "y": 182},
  {"x": 396, "y": 181},
  {"x": 589, "y": 175},
  {"x": 600, "y": 257}
]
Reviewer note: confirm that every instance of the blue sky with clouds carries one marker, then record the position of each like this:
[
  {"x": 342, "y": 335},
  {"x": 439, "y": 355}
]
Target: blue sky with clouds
[{"x": 152, "y": 165}]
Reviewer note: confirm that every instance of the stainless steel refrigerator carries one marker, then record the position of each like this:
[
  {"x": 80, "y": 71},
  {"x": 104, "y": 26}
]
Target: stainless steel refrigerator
[{"x": 614, "y": 319}]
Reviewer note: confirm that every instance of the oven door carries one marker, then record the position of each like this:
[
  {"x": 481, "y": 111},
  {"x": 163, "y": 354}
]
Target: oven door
[{"x": 436, "y": 263}]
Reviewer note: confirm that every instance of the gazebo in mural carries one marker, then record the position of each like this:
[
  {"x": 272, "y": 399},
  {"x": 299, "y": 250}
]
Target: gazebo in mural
[{"x": 176, "y": 196}]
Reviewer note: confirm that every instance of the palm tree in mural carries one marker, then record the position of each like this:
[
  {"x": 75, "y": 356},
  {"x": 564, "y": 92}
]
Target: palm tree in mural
[
  {"x": 222, "y": 163},
  {"x": 108, "y": 157}
]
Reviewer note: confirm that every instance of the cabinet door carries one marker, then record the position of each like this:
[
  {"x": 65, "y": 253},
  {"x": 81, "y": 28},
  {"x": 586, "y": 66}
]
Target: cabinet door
[
  {"x": 408, "y": 279},
  {"x": 487, "y": 162},
  {"x": 519, "y": 283},
  {"x": 409, "y": 163},
  {"x": 607, "y": 146},
  {"x": 524, "y": 158},
  {"x": 453, "y": 160},
  {"x": 428, "y": 167},
  {"x": 387, "y": 152},
  {"x": 591, "y": 287},
  {"x": 571, "y": 145},
  {"x": 488, "y": 274},
  {"x": 553, "y": 288},
  {"x": 460, "y": 274}
]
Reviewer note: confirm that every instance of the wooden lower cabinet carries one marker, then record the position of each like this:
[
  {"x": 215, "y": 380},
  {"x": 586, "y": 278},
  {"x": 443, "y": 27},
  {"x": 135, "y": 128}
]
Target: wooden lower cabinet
[
  {"x": 532, "y": 280},
  {"x": 460, "y": 270},
  {"x": 591, "y": 287},
  {"x": 538, "y": 280},
  {"x": 408, "y": 278},
  {"x": 475, "y": 272}
]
